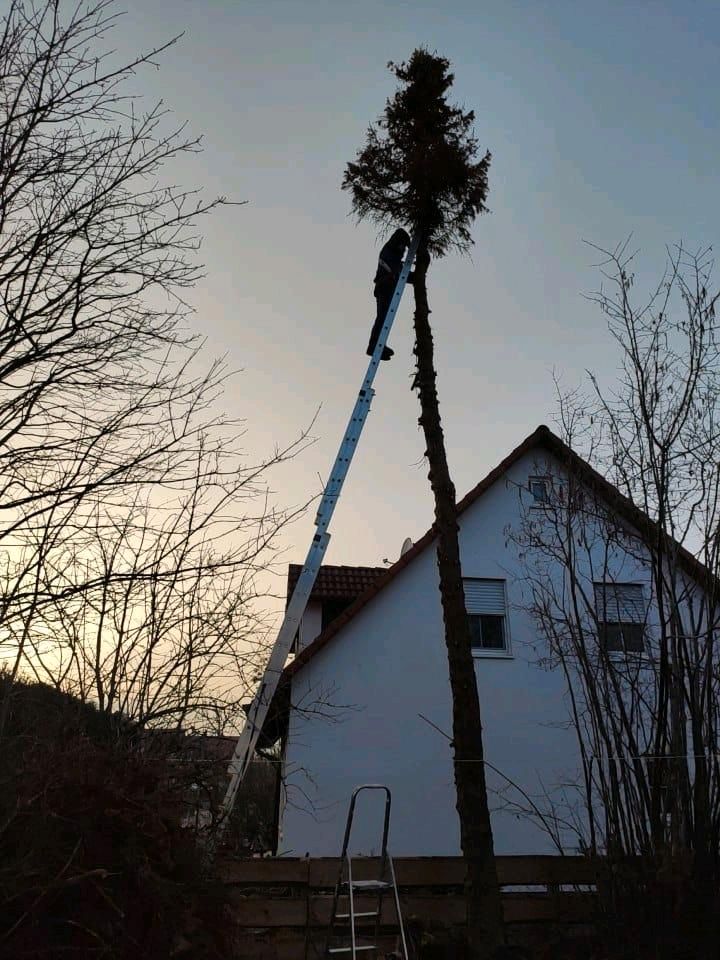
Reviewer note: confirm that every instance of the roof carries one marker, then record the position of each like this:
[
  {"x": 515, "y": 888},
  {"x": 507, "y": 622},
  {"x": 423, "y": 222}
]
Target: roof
[
  {"x": 337, "y": 582},
  {"x": 543, "y": 438}
]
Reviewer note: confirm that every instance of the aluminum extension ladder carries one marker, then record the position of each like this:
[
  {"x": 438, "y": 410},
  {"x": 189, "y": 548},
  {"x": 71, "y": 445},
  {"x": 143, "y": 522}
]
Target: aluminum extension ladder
[
  {"x": 257, "y": 712},
  {"x": 348, "y": 924}
]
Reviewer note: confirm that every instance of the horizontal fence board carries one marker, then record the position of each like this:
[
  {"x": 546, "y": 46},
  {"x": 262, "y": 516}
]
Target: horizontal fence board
[
  {"x": 534, "y": 908},
  {"x": 278, "y": 912},
  {"x": 251, "y": 947},
  {"x": 322, "y": 872},
  {"x": 290, "y": 944},
  {"x": 518, "y": 908},
  {"x": 274, "y": 944},
  {"x": 429, "y": 871},
  {"x": 267, "y": 911},
  {"x": 272, "y": 871},
  {"x": 538, "y": 870},
  {"x": 436, "y": 909}
]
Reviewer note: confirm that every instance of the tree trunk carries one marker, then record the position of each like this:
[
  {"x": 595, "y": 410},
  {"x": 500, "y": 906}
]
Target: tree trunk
[{"x": 484, "y": 908}]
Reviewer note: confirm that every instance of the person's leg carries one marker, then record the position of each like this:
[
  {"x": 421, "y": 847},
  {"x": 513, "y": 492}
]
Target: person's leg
[
  {"x": 383, "y": 296},
  {"x": 377, "y": 326}
]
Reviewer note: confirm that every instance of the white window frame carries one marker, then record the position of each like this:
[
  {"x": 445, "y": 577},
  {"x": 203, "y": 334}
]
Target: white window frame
[
  {"x": 556, "y": 490},
  {"x": 545, "y": 480},
  {"x": 485, "y": 653},
  {"x": 600, "y": 614}
]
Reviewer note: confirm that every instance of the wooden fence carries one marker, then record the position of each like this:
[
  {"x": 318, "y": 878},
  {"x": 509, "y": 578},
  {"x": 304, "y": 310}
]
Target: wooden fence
[{"x": 281, "y": 906}]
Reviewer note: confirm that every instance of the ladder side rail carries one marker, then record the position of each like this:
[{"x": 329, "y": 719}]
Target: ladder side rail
[
  {"x": 257, "y": 712},
  {"x": 339, "y": 894},
  {"x": 343, "y": 459},
  {"x": 352, "y": 908},
  {"x": 386, "y": 829},
  {"x": 348, "y": 822},
  {"x": 378, "y": 913},
  {"x": 335, "y": 905},
  {"x": 398, "y": 911}
]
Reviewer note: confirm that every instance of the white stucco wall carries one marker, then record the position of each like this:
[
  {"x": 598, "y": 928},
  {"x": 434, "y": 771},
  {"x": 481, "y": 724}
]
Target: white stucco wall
[{"x": 388, "y": 666}]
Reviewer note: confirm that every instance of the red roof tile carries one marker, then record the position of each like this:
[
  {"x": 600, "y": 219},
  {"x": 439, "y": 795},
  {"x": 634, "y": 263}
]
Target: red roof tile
[{"x": 333, "y": 582}]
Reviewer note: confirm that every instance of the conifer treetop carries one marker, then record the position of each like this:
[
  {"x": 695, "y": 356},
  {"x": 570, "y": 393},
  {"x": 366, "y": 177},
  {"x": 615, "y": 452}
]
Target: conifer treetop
[{"x": 419, "y": 166}]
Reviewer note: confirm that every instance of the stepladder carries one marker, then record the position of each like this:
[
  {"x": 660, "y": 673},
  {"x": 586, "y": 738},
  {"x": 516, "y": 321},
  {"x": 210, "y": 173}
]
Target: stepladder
[{"x": 364, "y": 906}]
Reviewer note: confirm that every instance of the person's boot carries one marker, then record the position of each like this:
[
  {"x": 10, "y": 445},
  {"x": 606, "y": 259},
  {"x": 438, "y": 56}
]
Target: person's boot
[{"x": 387, "y": 353}]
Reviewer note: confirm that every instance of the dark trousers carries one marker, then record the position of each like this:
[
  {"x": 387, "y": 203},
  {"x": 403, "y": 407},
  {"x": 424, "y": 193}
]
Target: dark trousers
[{"x": 383, "y": 295}]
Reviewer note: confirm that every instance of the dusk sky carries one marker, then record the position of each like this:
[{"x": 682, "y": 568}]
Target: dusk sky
[{"x": 602, "y": 121}]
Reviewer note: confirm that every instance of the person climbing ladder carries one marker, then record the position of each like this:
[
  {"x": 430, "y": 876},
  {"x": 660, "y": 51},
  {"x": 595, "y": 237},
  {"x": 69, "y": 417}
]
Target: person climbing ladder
[
  {"x": 398, "y": 272},
  {"x": 389, "y": 266}
]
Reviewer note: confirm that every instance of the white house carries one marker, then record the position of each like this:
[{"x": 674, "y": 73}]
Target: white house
[{"x": 370, "y": 679}]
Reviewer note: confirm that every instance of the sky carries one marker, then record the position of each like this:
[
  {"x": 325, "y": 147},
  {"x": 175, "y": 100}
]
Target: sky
[{"x": 601, "y": 118}]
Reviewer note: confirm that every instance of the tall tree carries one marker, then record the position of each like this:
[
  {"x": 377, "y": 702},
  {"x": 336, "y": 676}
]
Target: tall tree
[{"x": 421, "y": 166}]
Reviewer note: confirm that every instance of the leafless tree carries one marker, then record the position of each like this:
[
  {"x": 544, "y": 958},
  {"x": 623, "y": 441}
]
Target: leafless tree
[
  {"x": 131, "y": 527},
  {"x": 643, "y": 683},
  {"x": 153, "y": 609}
]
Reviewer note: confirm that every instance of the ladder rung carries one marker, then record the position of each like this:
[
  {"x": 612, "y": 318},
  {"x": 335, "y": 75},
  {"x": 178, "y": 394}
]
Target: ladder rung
[
  {"x": 369, "y": 884},
  {"x": 364, "y": 913},
  {"x": 369, "y": 946}
]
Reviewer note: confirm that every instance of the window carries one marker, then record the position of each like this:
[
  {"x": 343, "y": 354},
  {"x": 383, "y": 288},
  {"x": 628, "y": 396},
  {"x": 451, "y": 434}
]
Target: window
[
  {"x": 486, "y": 608},
  {"x": 620, "y": 610},
  {"x": 548, "y": 490},
  {"x": 540, "y": 489}
]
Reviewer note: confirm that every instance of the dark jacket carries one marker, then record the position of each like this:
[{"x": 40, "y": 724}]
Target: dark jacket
[{"x": 390, "y": 262}]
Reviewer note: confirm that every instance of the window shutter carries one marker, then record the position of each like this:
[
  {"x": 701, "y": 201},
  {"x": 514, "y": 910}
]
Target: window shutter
[
  {"x": 619, "y": 602},
  {"x": 485, "y": 597}
]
